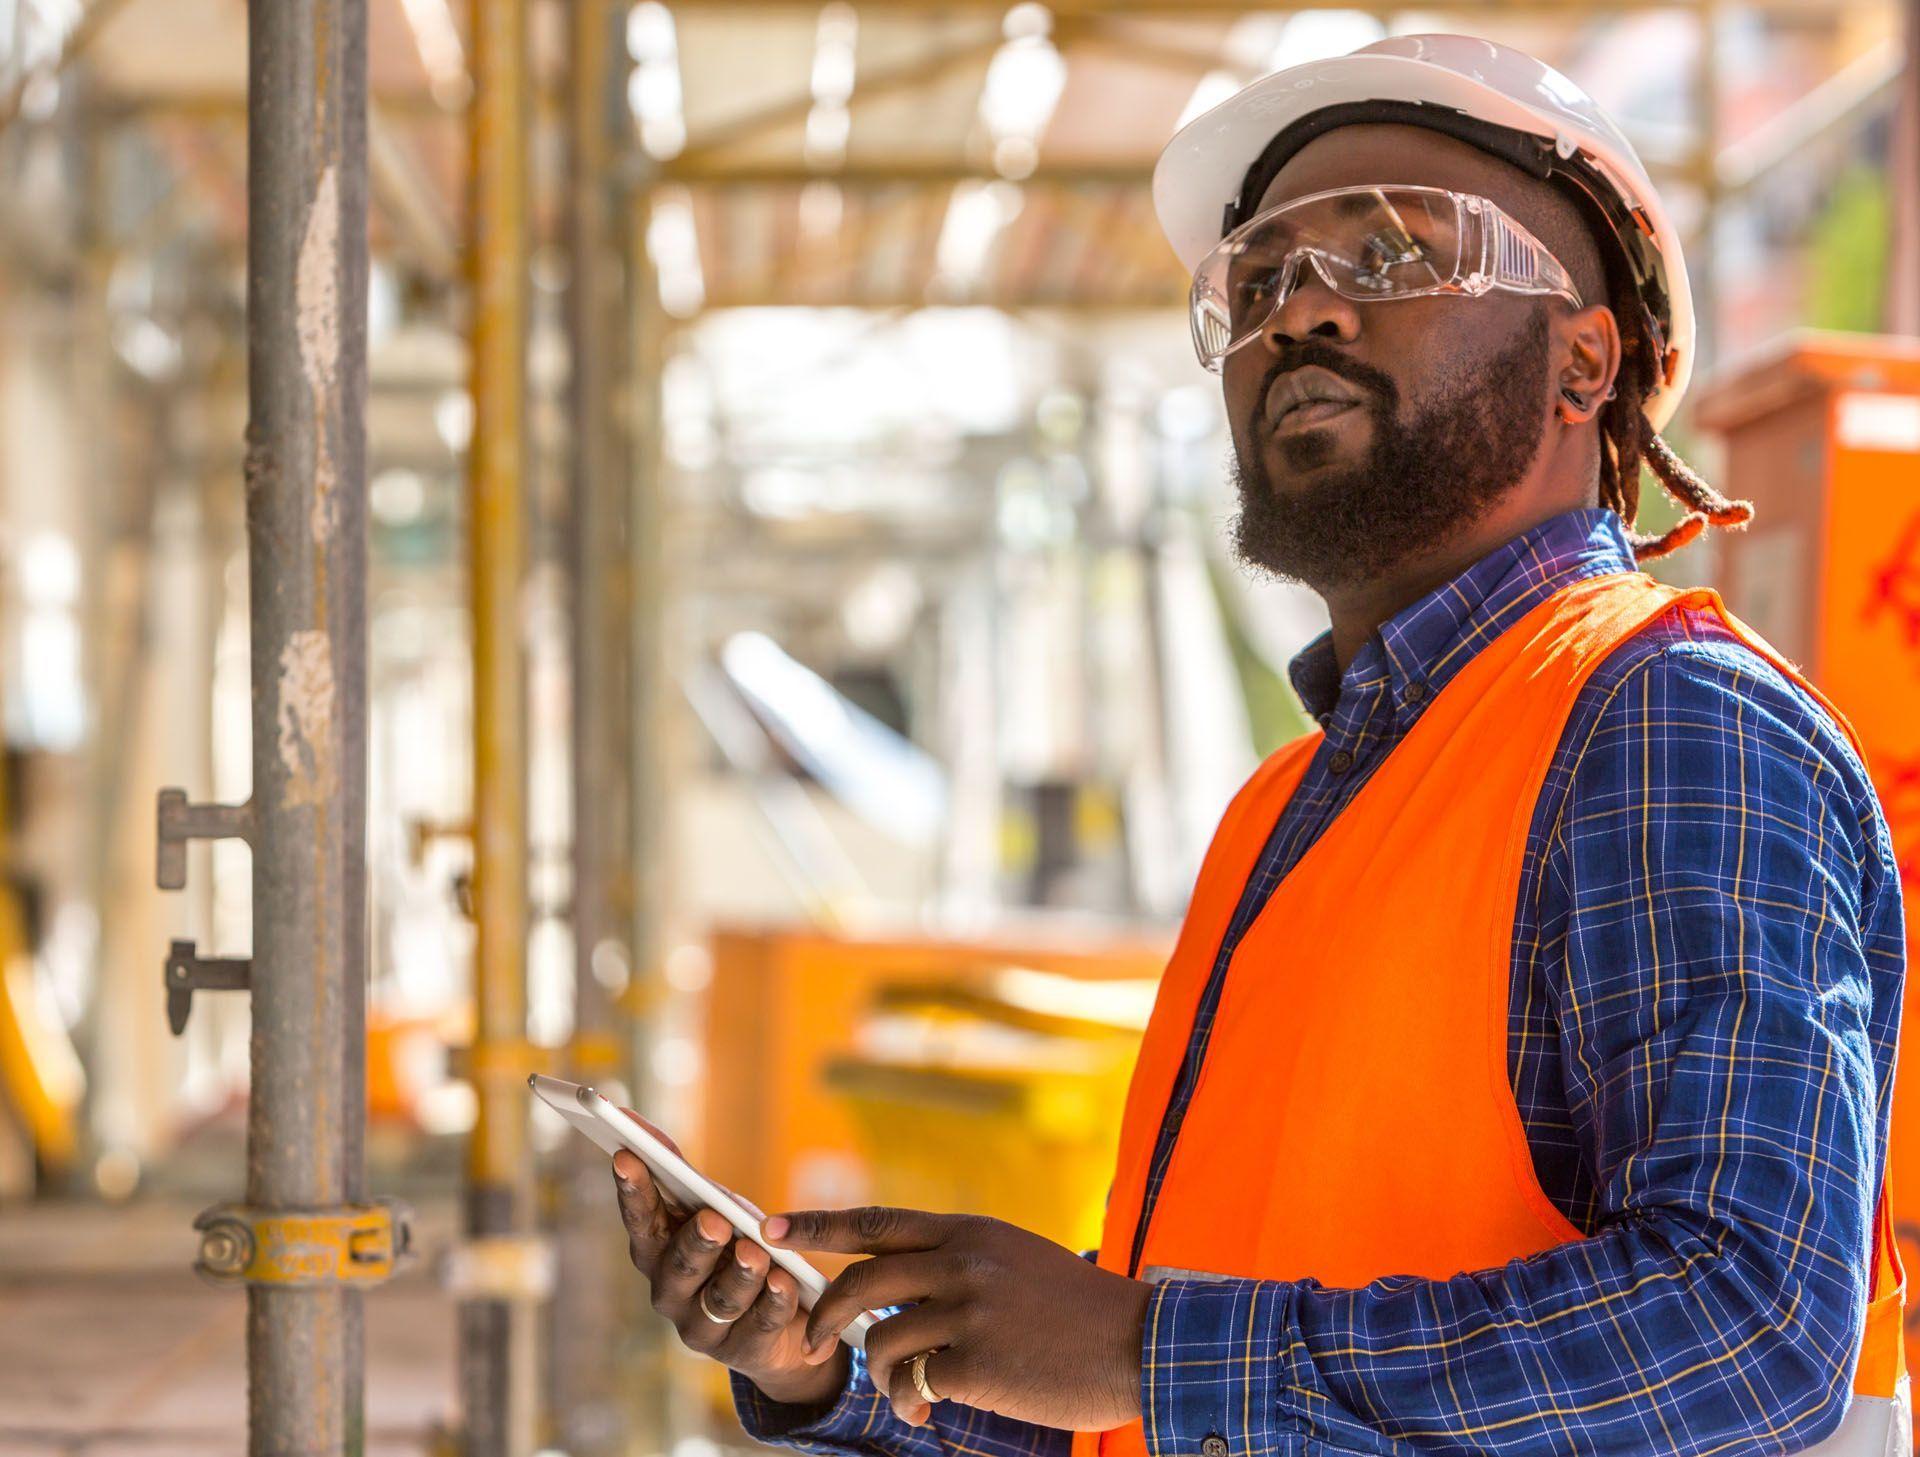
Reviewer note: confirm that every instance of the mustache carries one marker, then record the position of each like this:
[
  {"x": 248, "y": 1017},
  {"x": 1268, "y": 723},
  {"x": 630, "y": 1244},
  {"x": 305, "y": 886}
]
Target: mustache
[{"x": 1314, "y": 351}]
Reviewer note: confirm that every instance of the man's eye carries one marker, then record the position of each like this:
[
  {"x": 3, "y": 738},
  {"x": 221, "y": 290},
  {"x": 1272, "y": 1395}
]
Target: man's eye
[{"x": 1259, "y": 283}]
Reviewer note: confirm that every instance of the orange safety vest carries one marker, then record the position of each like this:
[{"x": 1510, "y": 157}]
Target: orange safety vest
[{"x": 1355, "y": 1117}]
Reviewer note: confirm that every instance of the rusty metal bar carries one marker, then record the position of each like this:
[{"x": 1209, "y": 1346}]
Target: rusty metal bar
[
  {"x": 496, "y": 1372},
  {"x": 584, "y": 1412},
  {"x": 306, "y": 530}
]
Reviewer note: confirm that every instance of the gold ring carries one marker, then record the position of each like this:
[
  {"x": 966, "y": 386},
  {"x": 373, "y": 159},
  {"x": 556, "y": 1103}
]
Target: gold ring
[
  {"x": 707, "y": 1311},
  {"x": 918, "y": 1368}
]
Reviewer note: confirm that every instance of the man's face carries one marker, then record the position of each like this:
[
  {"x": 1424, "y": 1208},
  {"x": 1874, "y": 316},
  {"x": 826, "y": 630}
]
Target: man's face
[{"x": 1454, "y": 395}]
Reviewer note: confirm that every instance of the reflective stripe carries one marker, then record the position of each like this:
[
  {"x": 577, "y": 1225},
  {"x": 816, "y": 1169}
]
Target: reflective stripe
[{"x": 1874, "y": 1426}]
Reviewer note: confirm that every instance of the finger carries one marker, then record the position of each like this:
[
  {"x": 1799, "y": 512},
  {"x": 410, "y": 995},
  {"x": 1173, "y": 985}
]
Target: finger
[
  {"x": 718, "y": 1305},
  {"x": 895, "y": 1341},
  {"x": 765, "y": 1321},
  {"x": 737, "y": 1279},
  {"x": 687, "y": 1263},
  {"x": 641, "y": 1211},
  {"x": 943, "y": 1379},
  {"x": 673, "y": 1208},
  {"x": 869, "y": 1285},
  {"x": 875, "y": 1230},
  {"x": 664, "y": 1137}
]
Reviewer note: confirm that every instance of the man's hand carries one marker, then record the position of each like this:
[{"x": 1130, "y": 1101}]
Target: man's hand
[
  {"x": 756, "y": 1326},
  {"x": 1018, "y": 1325}
]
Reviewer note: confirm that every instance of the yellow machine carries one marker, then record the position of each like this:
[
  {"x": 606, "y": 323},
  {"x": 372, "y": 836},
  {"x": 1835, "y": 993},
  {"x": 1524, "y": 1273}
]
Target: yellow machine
[{"x": 998, "y": 1094}]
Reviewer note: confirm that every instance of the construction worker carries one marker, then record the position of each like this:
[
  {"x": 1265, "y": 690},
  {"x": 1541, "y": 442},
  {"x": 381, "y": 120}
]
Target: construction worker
[{"x": 1520, "y": 1080}]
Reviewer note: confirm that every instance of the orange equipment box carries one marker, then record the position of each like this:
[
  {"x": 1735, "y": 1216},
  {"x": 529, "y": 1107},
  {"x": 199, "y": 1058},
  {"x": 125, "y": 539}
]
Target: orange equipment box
[
  {"x": 1823, "y": 434},
  {"x": 783, "y": 1004}
]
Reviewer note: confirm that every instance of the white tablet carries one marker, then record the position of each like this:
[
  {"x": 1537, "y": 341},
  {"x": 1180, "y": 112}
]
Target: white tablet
[{"x": 613, "y": 1130}]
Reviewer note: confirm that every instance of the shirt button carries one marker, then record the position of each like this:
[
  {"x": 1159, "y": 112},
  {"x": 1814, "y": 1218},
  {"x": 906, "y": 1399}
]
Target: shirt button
[
  {"x": 1416, "y": 693},
  {"x": 1214, "y": 1447},
  {"x": 1339, "y": 764}
]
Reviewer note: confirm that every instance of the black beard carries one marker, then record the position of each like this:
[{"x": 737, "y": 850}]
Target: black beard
[{"x": 1424, "y": 482}]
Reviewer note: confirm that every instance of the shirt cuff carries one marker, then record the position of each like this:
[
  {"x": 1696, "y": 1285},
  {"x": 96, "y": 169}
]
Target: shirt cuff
[
  {"x": 1211, "y": 1369},
  {"x": 846, "y": 1421}
]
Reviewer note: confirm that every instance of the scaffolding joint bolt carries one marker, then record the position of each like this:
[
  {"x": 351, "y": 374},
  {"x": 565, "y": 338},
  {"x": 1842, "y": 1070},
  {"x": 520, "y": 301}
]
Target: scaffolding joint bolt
[{"x": 350, "y": 1244}]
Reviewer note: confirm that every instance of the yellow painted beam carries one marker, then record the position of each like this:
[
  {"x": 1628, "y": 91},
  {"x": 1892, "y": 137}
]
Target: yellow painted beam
[{"x": 497, "y": 1375}]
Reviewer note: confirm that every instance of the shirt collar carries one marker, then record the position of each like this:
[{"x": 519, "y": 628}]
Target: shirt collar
[{"x": 1429, "y": 641}]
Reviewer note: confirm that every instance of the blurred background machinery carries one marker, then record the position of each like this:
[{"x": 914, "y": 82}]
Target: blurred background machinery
[{"x": 758, "y": 602}]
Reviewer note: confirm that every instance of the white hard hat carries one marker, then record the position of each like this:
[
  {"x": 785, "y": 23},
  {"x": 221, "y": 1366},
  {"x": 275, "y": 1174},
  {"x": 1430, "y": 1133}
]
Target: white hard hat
[{"x": 1497, "y": 98}]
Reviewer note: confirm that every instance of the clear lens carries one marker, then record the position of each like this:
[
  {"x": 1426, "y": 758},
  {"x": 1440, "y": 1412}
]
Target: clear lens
[{"x": 1366, "y": 243}]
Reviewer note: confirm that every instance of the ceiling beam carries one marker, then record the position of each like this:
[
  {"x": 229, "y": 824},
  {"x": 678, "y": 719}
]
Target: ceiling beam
[
  {"x": 938, "y": 171},
  {"x": 860, "y": 174},
  {"x": 1228, "y": 9},
  {"x": 225, "y": 105},
  {"x": 1171, "y": 298},
  {"x": 710, "y": 144},
  {"x": 1123, "y": 42}
]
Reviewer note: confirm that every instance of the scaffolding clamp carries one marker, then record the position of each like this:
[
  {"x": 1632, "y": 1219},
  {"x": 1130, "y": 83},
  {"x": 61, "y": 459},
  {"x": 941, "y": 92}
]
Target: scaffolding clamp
[
  {"x": 189, "y": 972},
  {"x": 350, "y": 1244}
]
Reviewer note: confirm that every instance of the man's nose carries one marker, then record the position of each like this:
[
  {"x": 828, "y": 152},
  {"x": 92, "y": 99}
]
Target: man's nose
[{"x": 1313, "y": 308}]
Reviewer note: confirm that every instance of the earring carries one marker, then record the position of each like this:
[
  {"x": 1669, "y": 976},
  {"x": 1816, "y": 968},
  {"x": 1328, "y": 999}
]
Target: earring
[{"x": 1579, "y": 402}]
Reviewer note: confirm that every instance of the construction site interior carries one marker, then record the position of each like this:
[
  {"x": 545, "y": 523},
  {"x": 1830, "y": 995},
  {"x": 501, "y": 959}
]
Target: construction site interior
[{"x": 681, "y": 546}]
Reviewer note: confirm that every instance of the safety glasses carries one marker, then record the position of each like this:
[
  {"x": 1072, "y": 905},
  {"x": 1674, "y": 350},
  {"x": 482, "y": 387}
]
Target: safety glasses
[{"x": 1365, "y": 243}]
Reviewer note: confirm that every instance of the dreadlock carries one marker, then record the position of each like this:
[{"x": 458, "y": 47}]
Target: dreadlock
[{"x": 1629, "y": 441}]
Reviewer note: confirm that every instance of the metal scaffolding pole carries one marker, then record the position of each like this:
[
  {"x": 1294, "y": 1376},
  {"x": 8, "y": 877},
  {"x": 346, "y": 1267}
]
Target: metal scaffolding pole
[
  {"x": 584, "y": 1317},
  {"x": 305, "y": 1243},
  {"x": 307, "y": 540},
  {"x": 497, "y": 1376}
]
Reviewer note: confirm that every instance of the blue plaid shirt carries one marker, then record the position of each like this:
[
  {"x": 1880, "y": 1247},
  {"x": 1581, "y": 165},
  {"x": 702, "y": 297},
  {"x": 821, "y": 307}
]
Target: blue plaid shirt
[{"x": 1707, "y": 963}]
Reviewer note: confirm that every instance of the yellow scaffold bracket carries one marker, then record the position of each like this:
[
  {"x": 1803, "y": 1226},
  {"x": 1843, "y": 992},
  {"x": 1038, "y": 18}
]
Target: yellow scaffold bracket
[
  {"x": 508, "y": 1061},
  {"x": 595, "y": 1054},
  {"x": 353, "y": 1244}
]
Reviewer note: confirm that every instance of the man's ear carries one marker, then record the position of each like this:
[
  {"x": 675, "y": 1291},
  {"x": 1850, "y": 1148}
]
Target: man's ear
[{"x": 1586, "y": 361}]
